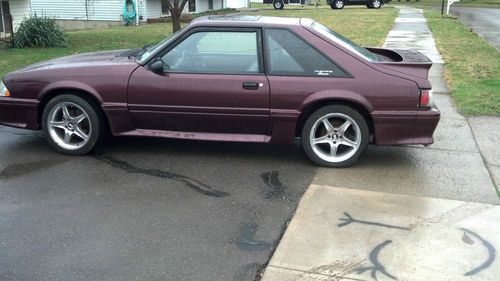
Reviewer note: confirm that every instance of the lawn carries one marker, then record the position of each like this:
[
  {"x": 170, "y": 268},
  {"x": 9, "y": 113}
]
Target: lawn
[
  {"x": 367, "y": 27},
  {"x": 472, "y": 65},
  {"x": 371, "y": 31},
  {"x": 462, "y": 3},
  {"x": 86, "y": 41}
]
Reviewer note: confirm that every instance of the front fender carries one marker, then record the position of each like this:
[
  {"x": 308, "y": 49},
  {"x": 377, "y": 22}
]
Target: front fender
[{"x": 69, "y": 85}]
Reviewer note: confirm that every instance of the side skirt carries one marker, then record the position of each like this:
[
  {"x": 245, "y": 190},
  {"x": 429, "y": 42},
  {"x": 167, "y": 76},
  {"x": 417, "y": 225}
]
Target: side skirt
[{"x": 197, "y": 136}]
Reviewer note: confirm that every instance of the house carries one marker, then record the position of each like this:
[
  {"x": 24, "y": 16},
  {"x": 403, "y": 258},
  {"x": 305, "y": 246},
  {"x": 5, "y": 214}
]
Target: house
[{"x": 77, "y": 14}]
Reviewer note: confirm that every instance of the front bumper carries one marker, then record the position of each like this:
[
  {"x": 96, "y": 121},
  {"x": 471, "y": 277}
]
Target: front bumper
[
  {"x": 19, "y": 113},
  {"x": 397, "y": 128}
]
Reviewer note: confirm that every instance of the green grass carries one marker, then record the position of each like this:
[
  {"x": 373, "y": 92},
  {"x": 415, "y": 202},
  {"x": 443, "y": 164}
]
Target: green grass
[
  {"x": 472, "y": 66},
  {"x": 462, "y": 3},
  {"x": 119, "y": 37},
  {"x": 370, "y": 32}
]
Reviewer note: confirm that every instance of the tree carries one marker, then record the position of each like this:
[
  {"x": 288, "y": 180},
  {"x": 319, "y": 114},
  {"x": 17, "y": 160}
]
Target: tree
[{"x": 176, "y": 7}]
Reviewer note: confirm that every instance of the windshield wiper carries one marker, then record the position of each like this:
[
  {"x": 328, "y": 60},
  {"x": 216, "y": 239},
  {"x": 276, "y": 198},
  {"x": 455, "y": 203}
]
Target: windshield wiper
[{"x": 140, "y": 51}]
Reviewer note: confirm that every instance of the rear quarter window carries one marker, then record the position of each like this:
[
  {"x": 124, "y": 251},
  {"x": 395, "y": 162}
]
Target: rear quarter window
[{"x": 289, "y": 55}]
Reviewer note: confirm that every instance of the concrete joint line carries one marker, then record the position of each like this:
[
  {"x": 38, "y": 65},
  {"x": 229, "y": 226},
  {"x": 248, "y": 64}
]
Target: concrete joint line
[{"x": 486, "y": 165}]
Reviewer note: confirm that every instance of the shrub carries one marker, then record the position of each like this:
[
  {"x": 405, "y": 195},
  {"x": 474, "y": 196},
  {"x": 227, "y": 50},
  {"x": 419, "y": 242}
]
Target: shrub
[{"x": 39, "y": 32}]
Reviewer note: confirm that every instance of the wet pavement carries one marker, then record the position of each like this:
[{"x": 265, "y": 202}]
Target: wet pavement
[
  {"x": 144, "y": 209},
  {"x": 403, "y": 213},
  {"x": 483, "y": 21}
]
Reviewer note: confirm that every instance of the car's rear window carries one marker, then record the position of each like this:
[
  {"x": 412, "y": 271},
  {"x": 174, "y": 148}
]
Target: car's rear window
[{"x": 341, "y": 40}]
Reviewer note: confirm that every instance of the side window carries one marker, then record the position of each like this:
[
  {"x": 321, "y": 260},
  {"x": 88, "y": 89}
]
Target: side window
[
  {"x": 290, "y": 55},
  {"x": 215, "y": 52}
]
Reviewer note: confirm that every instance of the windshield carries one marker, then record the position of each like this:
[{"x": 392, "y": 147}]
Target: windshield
[
  {"x": 147, "y": 50},
  {"x": 341, "y": 40}
]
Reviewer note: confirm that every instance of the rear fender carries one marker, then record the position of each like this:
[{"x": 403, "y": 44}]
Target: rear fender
[{"x": 336, "y": 95}]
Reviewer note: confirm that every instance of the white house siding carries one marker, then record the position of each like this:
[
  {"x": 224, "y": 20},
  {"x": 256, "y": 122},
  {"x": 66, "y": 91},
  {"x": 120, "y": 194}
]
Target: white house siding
[
  {"x": 153, "y": 9},
  {"x": 218, "y": 4},
  {"x": 105, "y": 10},
  {"x": 60, "y": 9},
  {"x": 19, "y": 9},
  {"x": 236, "y": 4},
  {"x": 201, "y": 6}
]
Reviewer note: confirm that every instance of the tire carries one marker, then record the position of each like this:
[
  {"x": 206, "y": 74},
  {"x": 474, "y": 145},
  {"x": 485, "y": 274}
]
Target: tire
[
  {"x": 369, "y": 5},
  {"x": 71, "y": 125},
  {"x": 376, "y": 4},
  {"x": 342, "y": 143},
  {"x": 278, "y": 5},
  {"x": 337, "y": 4}
]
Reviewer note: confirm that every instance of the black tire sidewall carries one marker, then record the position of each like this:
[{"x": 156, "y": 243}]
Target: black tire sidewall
[
  {"x": 94, "y": 118},
  {"x": 278, "y": 5},
  {"x": 355, "y": 115}
]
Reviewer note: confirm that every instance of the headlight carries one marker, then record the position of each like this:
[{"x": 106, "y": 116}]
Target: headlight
[{"x": 4, "y": 92}]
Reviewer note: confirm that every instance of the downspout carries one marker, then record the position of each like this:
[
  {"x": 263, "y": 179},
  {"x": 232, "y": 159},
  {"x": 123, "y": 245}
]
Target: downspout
[
  {"x": 87, "y": 9},
  {"x": 136, "y": 12}
]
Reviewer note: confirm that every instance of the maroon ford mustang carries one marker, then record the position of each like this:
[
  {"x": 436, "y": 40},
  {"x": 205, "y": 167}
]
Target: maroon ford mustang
[{"x": 243, "y": 78}]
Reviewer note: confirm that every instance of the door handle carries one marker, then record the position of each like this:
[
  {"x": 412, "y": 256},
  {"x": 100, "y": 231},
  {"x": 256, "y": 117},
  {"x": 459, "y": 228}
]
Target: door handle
[{"x": 252, "y": 85}]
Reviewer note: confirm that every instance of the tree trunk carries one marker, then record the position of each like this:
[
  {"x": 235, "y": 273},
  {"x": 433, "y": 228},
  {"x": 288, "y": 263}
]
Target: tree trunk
[
  {"x": 175, "y": 12},
  {"x": 176, "y": 22}
]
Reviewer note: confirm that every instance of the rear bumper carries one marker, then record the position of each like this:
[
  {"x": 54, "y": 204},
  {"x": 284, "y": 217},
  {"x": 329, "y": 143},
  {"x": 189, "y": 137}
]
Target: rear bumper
[
  {"x": 398, "y": 128},
  {"x": 19, "y": 113}
]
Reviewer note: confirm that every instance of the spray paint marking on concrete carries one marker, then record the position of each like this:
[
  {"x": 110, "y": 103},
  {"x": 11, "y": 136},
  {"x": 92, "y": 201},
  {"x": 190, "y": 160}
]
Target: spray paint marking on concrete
[{"x": 349, "y": 220}]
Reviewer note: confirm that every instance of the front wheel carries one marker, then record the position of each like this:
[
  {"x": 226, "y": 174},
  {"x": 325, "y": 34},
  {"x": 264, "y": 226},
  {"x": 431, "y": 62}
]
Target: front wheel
[
  {"x": 337, "y": 4},
  {"x": 71, "y": 125},
  {"x": 278, "y": 5},
  {"x": 376, "y": 4},
  {"x": 335, "y": 136}
]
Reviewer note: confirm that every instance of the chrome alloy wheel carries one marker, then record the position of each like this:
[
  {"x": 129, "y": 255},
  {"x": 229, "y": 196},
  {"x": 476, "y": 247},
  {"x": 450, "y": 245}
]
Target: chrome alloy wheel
[
  {"x": 335, "y": 137},
  {"x": 376, "y": 4},
  {"x": 339, "y": 4},
  {"x": 69, "y": 125}
]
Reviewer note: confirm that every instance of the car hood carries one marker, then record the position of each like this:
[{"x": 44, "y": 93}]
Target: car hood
[{"x": 82, "y": 60}]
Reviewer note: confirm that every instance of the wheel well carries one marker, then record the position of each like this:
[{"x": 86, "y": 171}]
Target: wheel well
[
  {"x": 77, "y": 92},
  {"x": 315, "y": 106}
]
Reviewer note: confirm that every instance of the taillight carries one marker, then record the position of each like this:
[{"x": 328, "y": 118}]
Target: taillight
[{"x": 425, "y": 98}]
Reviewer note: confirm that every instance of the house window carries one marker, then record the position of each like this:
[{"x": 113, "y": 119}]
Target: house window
[
  {"x": 5, "y": 17},
  {"x": 192, "y": 5},
  {"x": 210, "y": 4},
  {"x": 164, "y": 7}
]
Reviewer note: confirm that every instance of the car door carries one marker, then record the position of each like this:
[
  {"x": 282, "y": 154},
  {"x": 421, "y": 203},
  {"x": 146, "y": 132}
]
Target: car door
[{"x": 213, "y": 82}]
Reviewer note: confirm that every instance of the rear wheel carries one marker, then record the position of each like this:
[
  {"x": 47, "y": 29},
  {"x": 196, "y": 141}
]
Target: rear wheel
[
  {"x": 278, "y": 5},
  {"x": 71, "y": 125},
  {"x": 335, "y": 136},
  {"x": 376, "y": 4},
  {"x": 337, "y": 4}
]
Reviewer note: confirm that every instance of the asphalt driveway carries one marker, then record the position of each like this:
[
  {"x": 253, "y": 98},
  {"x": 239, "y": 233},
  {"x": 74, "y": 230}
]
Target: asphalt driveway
[
  {"x": 483, "y": 21},
  {"x": 144, "y": 209}
]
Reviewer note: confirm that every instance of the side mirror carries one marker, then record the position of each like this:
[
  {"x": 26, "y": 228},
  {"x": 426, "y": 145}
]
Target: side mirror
[{"x": 159, "y": 66}]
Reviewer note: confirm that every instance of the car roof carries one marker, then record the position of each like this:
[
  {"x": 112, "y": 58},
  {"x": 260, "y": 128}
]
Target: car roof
[{"x": 244, "y": 20}]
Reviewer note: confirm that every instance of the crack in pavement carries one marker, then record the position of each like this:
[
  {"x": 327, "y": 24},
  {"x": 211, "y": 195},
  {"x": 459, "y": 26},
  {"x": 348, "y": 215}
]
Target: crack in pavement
[{"x": 189, "y": 182}]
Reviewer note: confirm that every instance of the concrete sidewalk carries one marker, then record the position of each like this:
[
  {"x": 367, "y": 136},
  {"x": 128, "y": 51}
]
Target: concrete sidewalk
[{"x": 403, "y": 213}]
